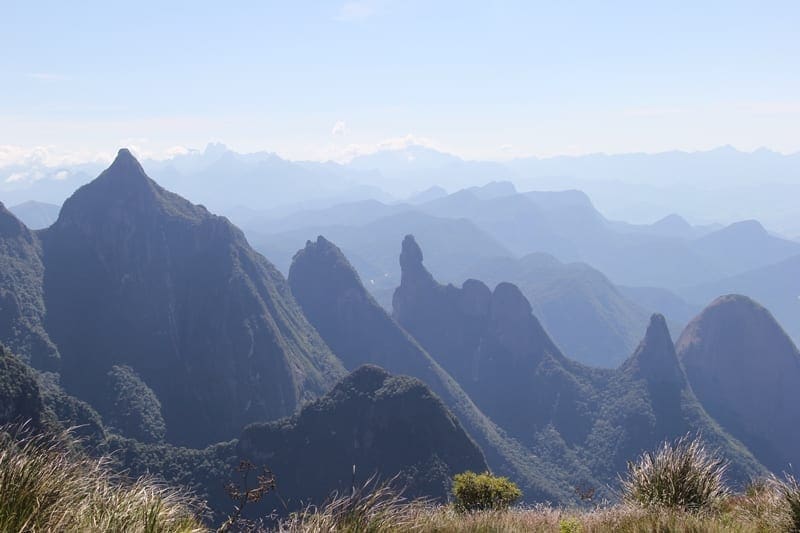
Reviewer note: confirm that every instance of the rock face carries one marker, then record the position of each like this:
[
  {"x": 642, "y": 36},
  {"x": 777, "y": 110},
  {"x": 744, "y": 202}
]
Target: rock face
[
  {"x": 22, "y": 307},
  {"x": 490, "y": 342},
  {"x": 746, "y": 372},
  {"x": 582, "y": 421},
  {"x": 131, "y": 274},
  {"x": 373, "y": 421},
  {"x": 649, "y": 400},
  {"x": 360, "y": 331}
]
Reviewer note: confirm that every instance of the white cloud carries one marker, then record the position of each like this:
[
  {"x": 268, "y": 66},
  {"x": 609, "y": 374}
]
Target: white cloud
[
  {"x": 343, "y": 154},
  {"x": 339, "y": 129},
  {"x": 46, "y": 156}
]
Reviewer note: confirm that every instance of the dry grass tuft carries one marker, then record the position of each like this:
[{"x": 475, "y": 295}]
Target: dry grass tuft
[{"x": 45, "y": 486}]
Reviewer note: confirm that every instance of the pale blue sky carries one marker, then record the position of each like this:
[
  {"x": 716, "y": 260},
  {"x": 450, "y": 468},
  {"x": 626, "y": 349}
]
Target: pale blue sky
[{"x": 480, "y": 79}]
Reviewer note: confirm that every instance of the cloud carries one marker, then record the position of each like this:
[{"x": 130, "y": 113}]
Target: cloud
[
  {"x": 356, "y": 10},
  {"x": 344, "y": 154},
  {"x": 339, "y": 129}
]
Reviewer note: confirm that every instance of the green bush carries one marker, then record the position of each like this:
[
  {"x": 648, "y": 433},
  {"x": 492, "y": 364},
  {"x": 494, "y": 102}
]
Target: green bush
[
  {"x": 682, "y": 475},
  {"x": 482, "y": 492}
]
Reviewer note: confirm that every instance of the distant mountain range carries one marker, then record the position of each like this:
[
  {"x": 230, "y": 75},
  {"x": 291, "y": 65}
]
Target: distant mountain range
[
  {"x": 497, "y": 234},
  {"x": 719, "y": 185},
  {"x": 152, "y": 326}
]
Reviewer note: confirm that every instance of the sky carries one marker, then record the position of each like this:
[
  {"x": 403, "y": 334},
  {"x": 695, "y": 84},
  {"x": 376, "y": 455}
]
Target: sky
[{"x": 332, "y": 79}]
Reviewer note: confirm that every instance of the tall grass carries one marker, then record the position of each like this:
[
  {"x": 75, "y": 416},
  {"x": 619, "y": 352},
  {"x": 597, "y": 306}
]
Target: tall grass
[
  {"x": 682, "y": 475},
  {"x": 788, "y": 490},
  {"x": 373, "y": 507},
  {"x": 46, "y": 486}
]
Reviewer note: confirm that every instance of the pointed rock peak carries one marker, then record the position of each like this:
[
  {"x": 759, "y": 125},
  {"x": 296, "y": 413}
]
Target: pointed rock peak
[
  {"x": 125, "y": 169},
  {"x": 321, "y": 266},
  {"x": 411, "y": 253},
  {"x": 657, "y": 331},
  {"x": 655, "y": 360},
  {"x": 411, "y": 266},
  {"x": 126, "y": 162}
]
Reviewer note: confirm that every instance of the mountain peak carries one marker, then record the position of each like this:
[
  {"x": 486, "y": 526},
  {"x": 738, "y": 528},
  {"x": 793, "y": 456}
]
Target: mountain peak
[
  {"x": 746, "y": 371},
  {"x": 320, "y": 265},
  {"x": 654, "y": 359},
  {"x": 126, "y": 164},
  {"x": 411, "y": 267},
  {"x": 411, "y": 253}
]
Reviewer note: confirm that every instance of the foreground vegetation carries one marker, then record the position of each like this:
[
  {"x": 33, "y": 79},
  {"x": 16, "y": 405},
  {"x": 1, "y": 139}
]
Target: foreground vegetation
[{"x": 45, "y": 485}]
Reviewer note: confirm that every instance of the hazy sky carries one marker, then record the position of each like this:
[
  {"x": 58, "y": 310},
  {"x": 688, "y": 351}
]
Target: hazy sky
[{"x": 327, "y": 79}]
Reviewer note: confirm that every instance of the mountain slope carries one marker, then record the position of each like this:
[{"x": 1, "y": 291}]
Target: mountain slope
[
  {"x": 360, "y": 332},
  {"x": 573, "y": 416},
  {"x": 22, "y": 306},
  {"x": 744, "y": 246},
  {"x": 563, "y": 295},
  {"x": 746, "y": 371},
  {"x": 138, "y": 276},
  {"x": 371, "y": 422}
]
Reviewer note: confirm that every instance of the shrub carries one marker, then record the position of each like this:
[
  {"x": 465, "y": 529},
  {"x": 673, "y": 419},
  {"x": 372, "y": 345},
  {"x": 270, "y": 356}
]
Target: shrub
[
  {"x": 682, "y": 475},
  {"x": 46, "y": 487},
  {"x": 482, "y": 492}
]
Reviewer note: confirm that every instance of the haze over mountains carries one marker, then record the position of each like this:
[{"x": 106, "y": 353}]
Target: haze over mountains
[
  {"x": 156, "y": 326},
  {"x": 668, "y": 266}
]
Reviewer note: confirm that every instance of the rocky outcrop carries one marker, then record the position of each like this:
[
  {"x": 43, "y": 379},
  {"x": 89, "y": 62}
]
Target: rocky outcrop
[{"x": 370, "y": 423}]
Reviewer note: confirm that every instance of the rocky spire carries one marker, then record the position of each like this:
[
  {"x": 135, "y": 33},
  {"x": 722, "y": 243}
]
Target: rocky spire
[
  {"x": 654, "y": 359},
  {"x": 411, "y": 267}
]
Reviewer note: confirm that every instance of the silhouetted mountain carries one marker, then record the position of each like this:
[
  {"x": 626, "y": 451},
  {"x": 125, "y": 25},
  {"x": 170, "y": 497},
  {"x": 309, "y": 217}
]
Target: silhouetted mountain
[
  {"x": 370, "y": 421},
  {"x": 136, "y": 275},
  {"x": 431, "y": 193},
  {"x": 22, "y": 306},
  {"x": 673, "y": 307},
  {"x": 345, "y": 214},
  {"x": 744, "y": 246},
  {"x": 776, "y": 286},
  {"x": 372, "y": 247},
  {"x": 746, "y": 372},
  {"x": 361, "y": 332},
  {"x": 584, "y": 313},
  {"x": 36, "y": 215},
  {"x": 491, "y": 343},
  {"x": 413, "y": 167}
]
